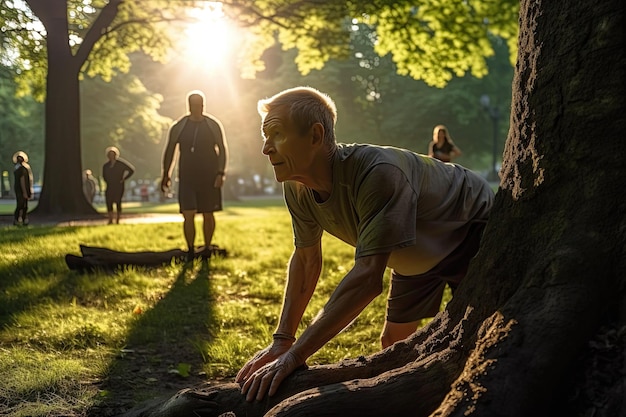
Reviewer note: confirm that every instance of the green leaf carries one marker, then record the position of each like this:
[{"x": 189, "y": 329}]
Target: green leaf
[{"x": 183, "y": 369}]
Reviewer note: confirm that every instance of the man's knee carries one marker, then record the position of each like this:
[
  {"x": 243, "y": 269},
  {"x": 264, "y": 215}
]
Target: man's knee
[
  {"x": 393, "y": 332},
  {"x": 386, "y": 340}
]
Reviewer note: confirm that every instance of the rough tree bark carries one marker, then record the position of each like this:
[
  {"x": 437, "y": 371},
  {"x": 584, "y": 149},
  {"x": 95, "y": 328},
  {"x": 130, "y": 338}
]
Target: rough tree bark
[{"x": 551, "y": 270}]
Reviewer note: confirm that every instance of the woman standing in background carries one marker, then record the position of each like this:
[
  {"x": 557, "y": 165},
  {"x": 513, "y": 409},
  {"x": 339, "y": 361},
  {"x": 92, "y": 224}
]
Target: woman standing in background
[
  {"x": 442, "y": 147},
  {"x": 114, "y": 172}
]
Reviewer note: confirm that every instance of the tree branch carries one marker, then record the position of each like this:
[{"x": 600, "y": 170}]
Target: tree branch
[{"x": 104, "y": 19}]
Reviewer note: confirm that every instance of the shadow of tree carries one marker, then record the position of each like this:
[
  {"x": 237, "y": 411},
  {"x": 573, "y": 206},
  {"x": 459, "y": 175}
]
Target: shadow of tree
[
  {"x": 12, "y": 273},
  {"x": 159, "y": 350}
]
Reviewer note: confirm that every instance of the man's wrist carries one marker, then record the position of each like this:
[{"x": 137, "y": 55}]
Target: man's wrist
[
  {"x": 222, "y": 173},
  {"x": 283, "y": 336}
]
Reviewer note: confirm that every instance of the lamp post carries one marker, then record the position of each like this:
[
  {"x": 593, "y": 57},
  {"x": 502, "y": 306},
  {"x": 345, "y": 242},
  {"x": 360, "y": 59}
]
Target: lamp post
[{"x": 494, "y": 114}]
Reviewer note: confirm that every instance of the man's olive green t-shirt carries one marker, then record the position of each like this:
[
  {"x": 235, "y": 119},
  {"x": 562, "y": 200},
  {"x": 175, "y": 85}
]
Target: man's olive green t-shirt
[{"x": 391, "y": 200}]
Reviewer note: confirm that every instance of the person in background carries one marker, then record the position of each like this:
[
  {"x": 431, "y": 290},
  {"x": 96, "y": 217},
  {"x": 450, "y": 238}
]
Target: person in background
[
  {"x": 23, "y": 186},
  {"x": 89, "y": 185},
  {"x": 442, "y": 147},
  {"x": 416, "y": 215},
  {"x": 114, "y": 172},
  {"x": 198, "y": 140}
]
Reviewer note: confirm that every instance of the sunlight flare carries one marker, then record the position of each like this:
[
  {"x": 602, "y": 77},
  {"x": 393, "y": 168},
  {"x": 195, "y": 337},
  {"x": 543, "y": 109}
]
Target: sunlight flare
[{"x": 209, "y": 40}]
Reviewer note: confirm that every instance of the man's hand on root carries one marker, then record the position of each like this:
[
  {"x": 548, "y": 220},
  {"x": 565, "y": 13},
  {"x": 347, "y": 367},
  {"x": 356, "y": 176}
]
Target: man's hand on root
[
  {"x": 267, "y": 378},
  {"x": 269, "y": 354}
]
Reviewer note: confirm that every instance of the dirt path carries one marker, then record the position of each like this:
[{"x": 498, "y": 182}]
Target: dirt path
[{"x": 99, "y": 219}]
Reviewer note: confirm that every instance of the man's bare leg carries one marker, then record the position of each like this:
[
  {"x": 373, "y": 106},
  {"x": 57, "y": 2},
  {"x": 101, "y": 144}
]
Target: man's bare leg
[
  {"x": 208, "y": 228},
  {"x": 392, "y": 332},
  {"x": 189, "y": 229}
]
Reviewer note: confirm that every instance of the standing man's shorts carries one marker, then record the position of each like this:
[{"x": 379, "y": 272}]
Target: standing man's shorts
[
  {"x": 202, "y": 199},
  {"x": 416, "y": 297}
]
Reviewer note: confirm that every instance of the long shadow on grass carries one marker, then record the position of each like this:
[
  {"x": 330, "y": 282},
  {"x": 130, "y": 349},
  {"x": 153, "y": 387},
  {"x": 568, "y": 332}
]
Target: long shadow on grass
[
  {"x": 14, "y": 298},
  {"x": 164, "y": 352},
  {"x": 13, "y": 234}
]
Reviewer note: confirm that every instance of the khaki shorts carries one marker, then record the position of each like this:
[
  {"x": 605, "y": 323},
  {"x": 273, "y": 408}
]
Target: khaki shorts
[{"x": 416, "y": 297}]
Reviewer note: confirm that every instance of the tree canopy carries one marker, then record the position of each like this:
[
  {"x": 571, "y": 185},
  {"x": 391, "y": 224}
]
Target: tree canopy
[
  {"x": 434, "y": 40},
  {"x": 100, "y": 36}
]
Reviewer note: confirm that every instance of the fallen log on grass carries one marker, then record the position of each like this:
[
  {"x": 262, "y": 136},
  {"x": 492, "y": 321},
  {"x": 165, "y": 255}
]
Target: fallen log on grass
[{"x": 94, "y": 258}]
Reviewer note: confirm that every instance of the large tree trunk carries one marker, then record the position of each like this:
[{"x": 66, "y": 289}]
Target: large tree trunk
[
  {"x": 62, "y": 193},
  {"x": 551, "y": 270},
  {"x": 62, "y": 177}
]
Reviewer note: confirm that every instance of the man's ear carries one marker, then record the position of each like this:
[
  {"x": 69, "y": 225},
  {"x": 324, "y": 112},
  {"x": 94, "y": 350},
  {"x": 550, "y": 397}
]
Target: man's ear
[{"x": 317, "y": 134}]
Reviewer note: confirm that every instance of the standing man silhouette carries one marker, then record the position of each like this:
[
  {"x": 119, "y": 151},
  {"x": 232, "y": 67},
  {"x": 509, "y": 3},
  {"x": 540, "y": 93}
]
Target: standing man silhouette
[{"x": 198, "y": 141}]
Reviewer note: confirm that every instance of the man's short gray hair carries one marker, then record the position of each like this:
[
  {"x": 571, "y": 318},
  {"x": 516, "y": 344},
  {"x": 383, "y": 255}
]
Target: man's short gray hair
[{"x": 307, "y": 106}]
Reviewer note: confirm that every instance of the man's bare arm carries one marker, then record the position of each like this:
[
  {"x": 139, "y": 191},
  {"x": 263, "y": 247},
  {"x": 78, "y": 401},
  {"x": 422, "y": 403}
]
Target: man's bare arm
[
  {"x": 359, "y": 287},
  {"x": 303, "y": 273}
]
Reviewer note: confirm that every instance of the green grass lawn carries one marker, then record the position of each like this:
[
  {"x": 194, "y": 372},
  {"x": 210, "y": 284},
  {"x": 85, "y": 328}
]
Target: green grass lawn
[{"x": 72, "y": 342}]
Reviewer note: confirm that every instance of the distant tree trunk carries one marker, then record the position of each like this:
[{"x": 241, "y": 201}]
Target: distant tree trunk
[
  {"x": 551, "y": 270},
  {"x": 62, "y": 177}
]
